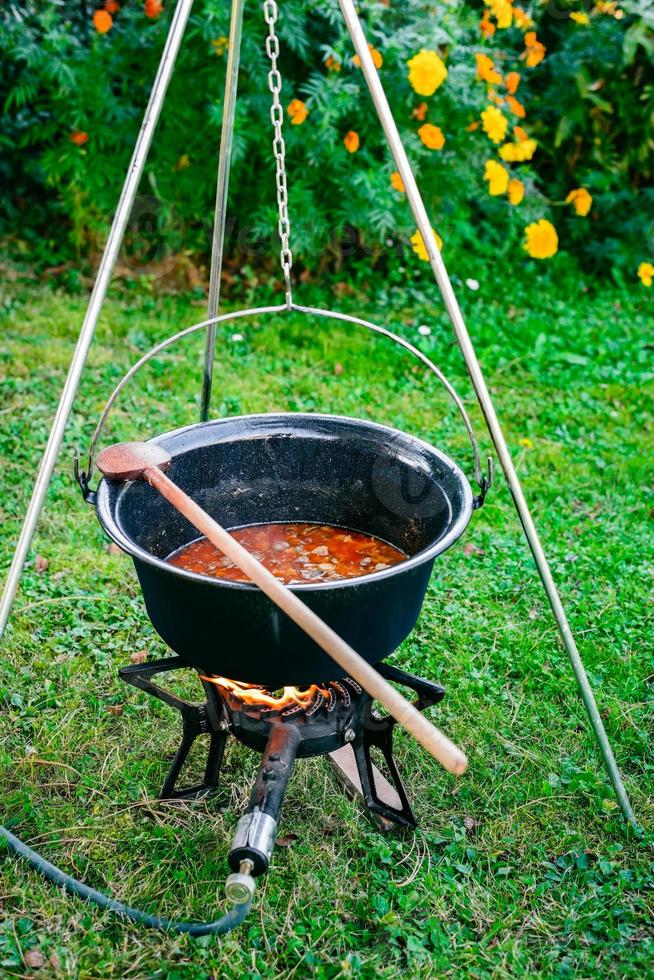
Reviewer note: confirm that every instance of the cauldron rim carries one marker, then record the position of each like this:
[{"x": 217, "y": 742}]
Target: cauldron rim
[{"x": 114, "y": 531}]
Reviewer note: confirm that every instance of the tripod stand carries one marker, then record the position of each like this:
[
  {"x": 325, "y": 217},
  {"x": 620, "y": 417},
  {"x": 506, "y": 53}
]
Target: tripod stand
[{"x": 177, "y": 27}]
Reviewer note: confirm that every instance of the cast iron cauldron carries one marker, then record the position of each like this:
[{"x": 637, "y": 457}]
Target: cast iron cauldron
[{"x": 289, "y": 467}]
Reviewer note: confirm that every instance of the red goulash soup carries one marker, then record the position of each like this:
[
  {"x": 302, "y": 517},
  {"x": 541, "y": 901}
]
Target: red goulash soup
[{"x": 294, "y": 553}]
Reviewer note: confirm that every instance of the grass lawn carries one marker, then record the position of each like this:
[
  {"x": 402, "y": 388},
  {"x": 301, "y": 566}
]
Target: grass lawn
[{"x": 522, "y": 867}]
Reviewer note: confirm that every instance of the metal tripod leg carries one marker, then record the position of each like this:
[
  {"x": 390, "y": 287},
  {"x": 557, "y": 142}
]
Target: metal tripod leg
[
  {"x": 483, "y": 395},
  {"x": 224, "y": 162},
  {"x": 114, "y": 241}
]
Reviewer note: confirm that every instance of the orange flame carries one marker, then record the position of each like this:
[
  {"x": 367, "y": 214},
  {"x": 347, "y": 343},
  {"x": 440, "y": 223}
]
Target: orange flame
[{"x": 261, "y": 696}]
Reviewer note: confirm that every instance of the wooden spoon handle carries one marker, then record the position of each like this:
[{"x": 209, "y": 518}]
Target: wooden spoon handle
[{"x": 442, "y": 749}]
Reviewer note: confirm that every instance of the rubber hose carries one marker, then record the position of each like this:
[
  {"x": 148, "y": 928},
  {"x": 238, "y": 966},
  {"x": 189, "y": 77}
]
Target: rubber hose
[{"x": 228, "y": 922}]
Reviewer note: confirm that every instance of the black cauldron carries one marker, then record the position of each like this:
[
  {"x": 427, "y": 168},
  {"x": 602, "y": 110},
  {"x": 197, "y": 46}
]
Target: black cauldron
[{"x": 257, "y": 469}]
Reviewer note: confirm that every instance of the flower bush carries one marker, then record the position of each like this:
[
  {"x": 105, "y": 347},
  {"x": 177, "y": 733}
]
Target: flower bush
[{"x": 525, "y": 125}]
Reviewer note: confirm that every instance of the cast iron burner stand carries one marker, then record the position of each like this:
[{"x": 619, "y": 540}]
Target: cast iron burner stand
[{"x": 339, "y": 720}]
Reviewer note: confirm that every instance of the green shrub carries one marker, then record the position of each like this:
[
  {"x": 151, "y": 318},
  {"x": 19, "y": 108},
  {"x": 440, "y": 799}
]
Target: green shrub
[{"x": 73, "y": 99}]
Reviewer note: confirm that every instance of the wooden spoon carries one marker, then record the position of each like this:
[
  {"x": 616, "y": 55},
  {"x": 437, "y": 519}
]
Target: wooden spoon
[{"x": 146, "y": 461}]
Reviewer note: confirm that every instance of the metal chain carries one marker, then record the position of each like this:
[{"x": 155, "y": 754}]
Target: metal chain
[{"x": 279, "y": 146}]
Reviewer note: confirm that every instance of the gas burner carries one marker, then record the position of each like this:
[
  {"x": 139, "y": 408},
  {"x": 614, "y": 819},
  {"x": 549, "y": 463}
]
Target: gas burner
[
  {"x": 290, "y": 704},
  {"x": 335, "y": 718}
]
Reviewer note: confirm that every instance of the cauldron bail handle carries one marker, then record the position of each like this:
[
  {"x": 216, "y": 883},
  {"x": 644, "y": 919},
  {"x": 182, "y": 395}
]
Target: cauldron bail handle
[{"x": 484, "y": 481}]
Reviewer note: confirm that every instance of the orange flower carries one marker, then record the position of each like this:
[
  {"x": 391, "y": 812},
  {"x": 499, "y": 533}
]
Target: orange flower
[
  {"x": 486, "y": 26},
  {"x": 472, "y": 127},
  {"x": 516, "y": 107},
  {"x": 102, "y": 21},
  {"x": 79, "y": 138},
  {"x": 432, "y": 136},
  {"x": 111, "y": 6},
  {"x": 331, "y": 64},
  {"x": 298, "y": 112},
  {"x": 512, "y": 82},
  {"x": 486, "y": 70},
  {"x": 397, "y": 183},
  {"x": 420, "y": 111},
  {"x": 520, "y": 134},
  {"x": 581, "y": 200},
  {"x": 153, "y": 8},
  {"x": 352, "y": 141},
  {"x": 534, "y": 50},
  {"x": 516, "y": 191},
  {"x": 377, "y": 59}
]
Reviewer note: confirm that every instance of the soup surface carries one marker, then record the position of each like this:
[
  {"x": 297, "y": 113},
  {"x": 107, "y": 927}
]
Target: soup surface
[{"x": 294, "y": 553}]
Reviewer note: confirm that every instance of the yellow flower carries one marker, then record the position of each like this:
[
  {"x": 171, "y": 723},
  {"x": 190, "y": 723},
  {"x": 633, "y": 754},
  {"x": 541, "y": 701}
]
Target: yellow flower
[
  {"x": 418, "y": 243},
  {"x": 352, "y": 141},
  {"x": 527, "y": 149},
  {"x": 609, "y": 8},
  {"x": 581, "y": 199},
  {"x": 377, "y": 59},
  {"x": 497, "y": 177},
  {"x": 183, "y": 163},
  {"x": 427, "y": 72},
  {"x": 518, "y": 152},
  {"x": 486, "y": 70},
  {"x": 534, "y": 50},
  {"x": 512, "y": 81},
  {"x": 397, "y": 183},
  {"x": 542, "y": 241},
  {"x": 521, "y": 18},
  {"x": 502, "y": 12},
  {"x": 494, "y": 123},
  {"x": 526, "y": 443},
  {"x": 580, "y": 17},
  {"x": 219, "y": 45},
  {"x": 516, "y": 191},
  {"x": 432, "y": 136},
  {"x": 298, "y": 112},
  {"x": 646, "y": 273}
]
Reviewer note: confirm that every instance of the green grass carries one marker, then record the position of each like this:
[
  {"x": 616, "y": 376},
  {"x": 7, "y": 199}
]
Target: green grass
[{"x": 522, "y": 867}]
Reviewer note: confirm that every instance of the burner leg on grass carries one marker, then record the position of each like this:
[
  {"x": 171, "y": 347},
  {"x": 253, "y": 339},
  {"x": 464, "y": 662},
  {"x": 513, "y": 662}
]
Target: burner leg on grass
[
  {"x": 209, "y": 782},
  {"x": 386, "y": 800},
  {"x": 202, "y": 719}
]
